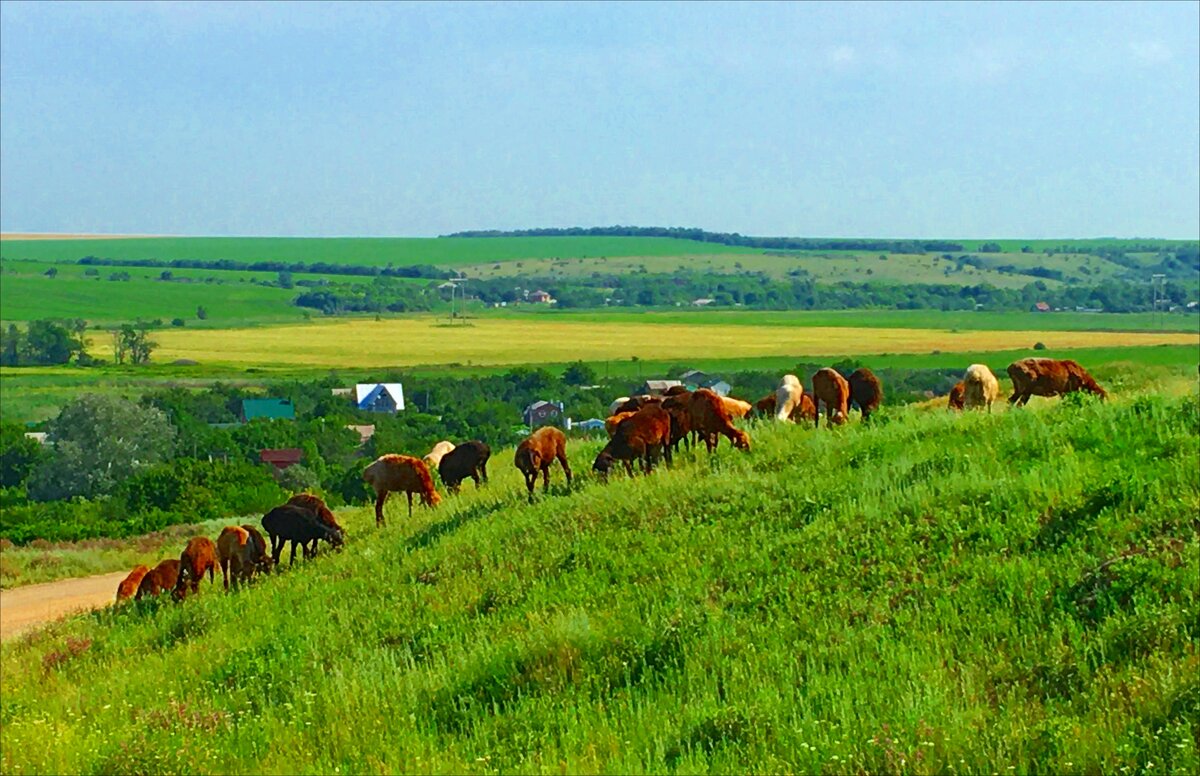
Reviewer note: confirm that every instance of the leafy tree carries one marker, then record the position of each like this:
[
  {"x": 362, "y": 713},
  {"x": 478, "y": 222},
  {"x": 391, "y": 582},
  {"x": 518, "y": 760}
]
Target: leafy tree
[
  {"x": 202, "y": 312},
  {"x": 579, "y": 373},
  {"x": 11, "y": 345},
  {"x": 990, "y": 247},
  {"x": 97, "y": 441},
  {"x": 50, "y": 342},
  {"x": 52, "y": 272},
  {"x": 19, "y": 455}
]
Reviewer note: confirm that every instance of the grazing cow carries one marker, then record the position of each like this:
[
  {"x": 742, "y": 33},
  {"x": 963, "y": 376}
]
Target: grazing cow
[
  {"x": 434, "y": 457},
  {"x": 1049, "y": 377},
  {"x": 199, "y": 556},
  {"x": 537, "y": 452},
  {"x": 832, "y": 389},
  {"x": 865, "y": 391},
  {"x": 765, "y": 407},
  {"x": 612, "y": 408},
  {"x": 290, "y": 523},
  {"x": 239, "y": 555},
  {"x": 676, "y": 406},
  {"x": 956, "y": 400},
  {"x": 807, "y": 409},
  {"x": 260, "y": 548},
  {"x": 787, "y": 397},
  {"x": 316, "y": 505},
  {"x": 159, "y": 579},
  {"x": 709, "y": 417},
  {"x": 635, "y": 403},
  {"x": 129, "y": 585},
  {"x": 736, "y": 408},
  {"x": 400, "y": 474},
  {"x": 980, "y": 387},
  {"x": 612, "y": 421},
  {"x": 467, "y": 460},
  {"x": 642, "y": 436},
  {"x": 676, "y": 390}
]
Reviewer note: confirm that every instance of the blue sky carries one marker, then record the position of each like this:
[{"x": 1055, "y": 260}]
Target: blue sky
[{"x": 805, "y": 119}]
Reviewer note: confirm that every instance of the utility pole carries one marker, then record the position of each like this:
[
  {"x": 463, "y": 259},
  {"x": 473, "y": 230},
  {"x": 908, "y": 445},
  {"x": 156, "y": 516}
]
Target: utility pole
[{"x": 1158, "y": 285}]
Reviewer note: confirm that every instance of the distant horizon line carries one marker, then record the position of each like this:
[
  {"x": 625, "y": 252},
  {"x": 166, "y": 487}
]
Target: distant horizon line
[{"x": 34, "y": 236}]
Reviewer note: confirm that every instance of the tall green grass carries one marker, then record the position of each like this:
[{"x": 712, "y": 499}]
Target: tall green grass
[{"x": 1004, "y": 593}]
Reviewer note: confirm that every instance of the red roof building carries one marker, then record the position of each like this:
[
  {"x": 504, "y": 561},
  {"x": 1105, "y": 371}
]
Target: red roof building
[{"x": 283, "y": 458}]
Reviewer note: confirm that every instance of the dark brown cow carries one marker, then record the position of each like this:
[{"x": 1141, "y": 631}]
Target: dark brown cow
[
  {"x": 1049, "y": 377},
  {"x": 641, "y": 437},
  {"x": 159, "y": 579},
  {"x": 831, "y": 388},
  {"x": 538, "y": 452},
  {"x": 865, "y": 391},
  {"x": 467, "y": 460}
]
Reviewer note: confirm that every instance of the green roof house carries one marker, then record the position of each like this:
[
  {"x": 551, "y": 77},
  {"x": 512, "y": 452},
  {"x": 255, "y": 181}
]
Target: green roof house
[{"x": 272, "y": 409}]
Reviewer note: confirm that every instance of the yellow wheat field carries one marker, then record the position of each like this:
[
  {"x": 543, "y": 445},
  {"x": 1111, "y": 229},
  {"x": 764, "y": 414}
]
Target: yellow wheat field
[{"x": 426, "y": 341}]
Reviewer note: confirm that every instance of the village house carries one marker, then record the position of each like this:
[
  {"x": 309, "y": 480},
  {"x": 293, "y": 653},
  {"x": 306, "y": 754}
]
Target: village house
[
  {"x": 281, "y": 458},
  {"x": 657, "y": 387},
  {"x": 541, "y": 413},
  {"x": 541, "y": 297},
  {"x": 379, "y": 397}
]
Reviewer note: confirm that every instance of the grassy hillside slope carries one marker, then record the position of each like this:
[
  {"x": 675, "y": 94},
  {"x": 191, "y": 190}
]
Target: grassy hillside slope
[{"x": 1002, "y": 593}]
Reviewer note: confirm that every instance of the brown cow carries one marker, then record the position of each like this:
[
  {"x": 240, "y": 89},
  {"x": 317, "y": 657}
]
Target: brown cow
[
  {"x": 537, "y": 452},
  {"x": 612, "y": 421},
  {"x": 317, "y": 506},
  {"x": 400, "y": 474},
  {"x": 260, "y": 548},
  {"x": 239, "y": 555},
  {"x": 709, "y": 417},
  {"x": 1049, "y": 377},
  {"x": 642, "y": 436},
  {"x": 129, "y": 585},
  {"x": 831, "y": 388},
  {"x": 676, "y": 405},
  {"x": 159, "y": 579},
  {"x": 958, "y": 395},
  {"x": 199, "y": 556},
  {"x": 865, "y": 391}
]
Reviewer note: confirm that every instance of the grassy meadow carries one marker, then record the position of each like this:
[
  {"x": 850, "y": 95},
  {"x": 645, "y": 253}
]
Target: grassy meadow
[{"x": 936, "y": 593}]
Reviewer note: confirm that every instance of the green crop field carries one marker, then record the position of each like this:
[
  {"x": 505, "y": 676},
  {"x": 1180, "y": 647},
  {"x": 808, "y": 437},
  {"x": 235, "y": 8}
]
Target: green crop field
[
  {"x": 377, "y": 251},
  {"x": 937, "y": 593}
]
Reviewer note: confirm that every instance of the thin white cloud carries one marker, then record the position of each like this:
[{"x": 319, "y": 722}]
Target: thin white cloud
[
  {"x": 841, "y": 55},
  {"x": 1150, "y": 52}
]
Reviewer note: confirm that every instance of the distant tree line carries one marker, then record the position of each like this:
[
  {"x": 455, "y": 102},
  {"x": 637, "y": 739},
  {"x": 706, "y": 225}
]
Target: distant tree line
[
  {"x": 728, "y": 238},
  {"x": 800, "y": 291}
]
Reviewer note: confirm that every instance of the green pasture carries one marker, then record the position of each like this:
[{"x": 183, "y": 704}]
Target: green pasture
[
  {"x": 372, "y": 251},
  {"x": 1014, "y": 592}
]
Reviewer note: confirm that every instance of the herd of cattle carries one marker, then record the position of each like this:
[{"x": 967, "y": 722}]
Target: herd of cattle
[{"x": 641, "y": 429}]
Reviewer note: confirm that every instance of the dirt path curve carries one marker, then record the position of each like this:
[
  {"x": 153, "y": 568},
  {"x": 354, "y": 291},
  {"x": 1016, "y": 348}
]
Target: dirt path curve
[{"x": 23, "y": 608}]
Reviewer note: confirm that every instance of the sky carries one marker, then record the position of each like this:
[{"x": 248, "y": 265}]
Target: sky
[{"x": 800, "y": 119}]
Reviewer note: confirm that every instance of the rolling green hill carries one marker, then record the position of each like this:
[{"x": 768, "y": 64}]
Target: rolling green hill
[{"x": 1006, "y": 593}]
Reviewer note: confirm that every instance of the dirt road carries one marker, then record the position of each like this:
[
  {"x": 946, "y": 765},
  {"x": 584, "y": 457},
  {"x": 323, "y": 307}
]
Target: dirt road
[{"x": 23, "y": 608}]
